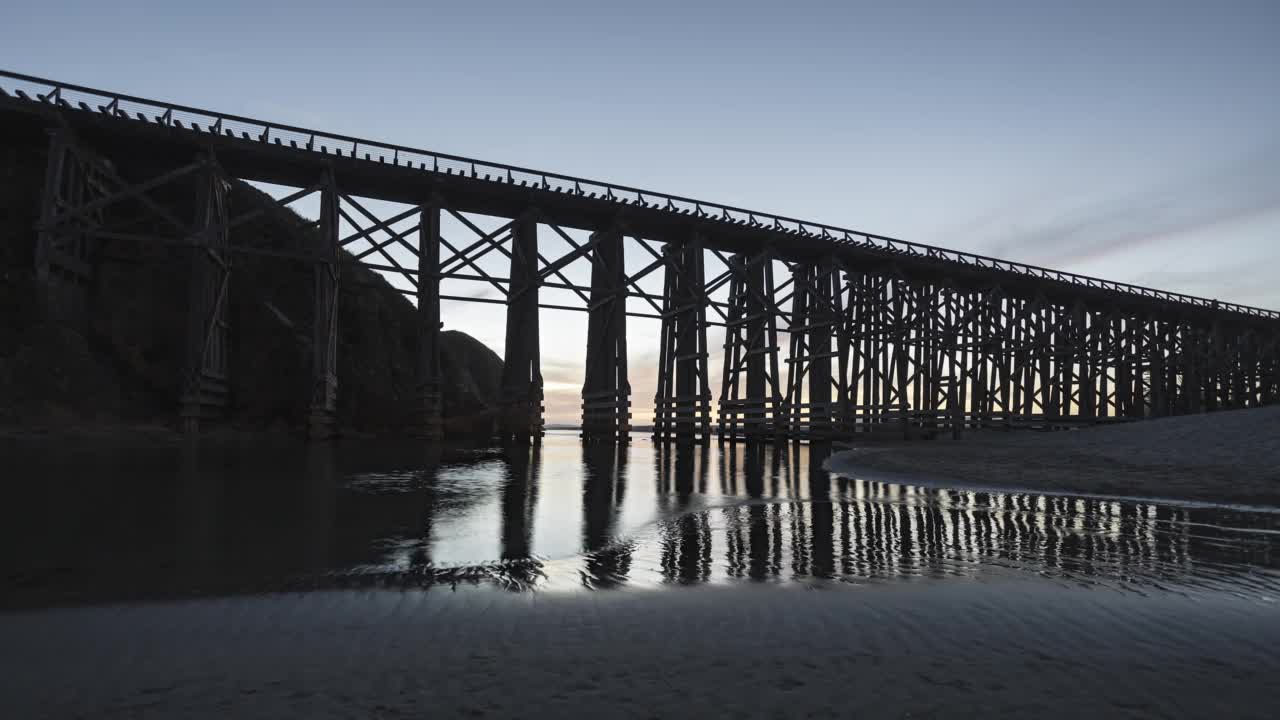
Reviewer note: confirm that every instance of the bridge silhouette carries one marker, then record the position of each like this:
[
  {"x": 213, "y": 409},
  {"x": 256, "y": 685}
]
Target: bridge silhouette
[{"x": 882, "y": 334}]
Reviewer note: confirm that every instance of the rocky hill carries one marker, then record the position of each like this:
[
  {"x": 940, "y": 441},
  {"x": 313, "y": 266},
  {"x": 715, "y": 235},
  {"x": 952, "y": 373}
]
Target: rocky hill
[{"x": 126, "y": 367}]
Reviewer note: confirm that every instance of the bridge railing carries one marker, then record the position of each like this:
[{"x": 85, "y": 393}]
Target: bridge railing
[{"x": 77, "y": 97}]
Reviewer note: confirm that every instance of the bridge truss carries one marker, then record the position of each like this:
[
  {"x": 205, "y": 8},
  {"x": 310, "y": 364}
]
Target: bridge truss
[{"x": 881, "y": 334}]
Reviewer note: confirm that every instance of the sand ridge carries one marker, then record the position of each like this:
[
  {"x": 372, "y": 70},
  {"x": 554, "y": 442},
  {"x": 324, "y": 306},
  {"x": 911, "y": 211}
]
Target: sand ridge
[{"x": 1223, "y": 457}]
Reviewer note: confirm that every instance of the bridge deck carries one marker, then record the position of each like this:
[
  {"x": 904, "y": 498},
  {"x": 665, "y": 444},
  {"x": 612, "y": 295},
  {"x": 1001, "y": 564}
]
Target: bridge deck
[
  {"x": 165, "y": 133},
  {"x": 939, "y": 337}
]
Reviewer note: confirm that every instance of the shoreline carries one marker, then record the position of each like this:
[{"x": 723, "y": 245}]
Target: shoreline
[
  {"x": 1228, "y": 459},
  {"x": 846, "y": 464}
]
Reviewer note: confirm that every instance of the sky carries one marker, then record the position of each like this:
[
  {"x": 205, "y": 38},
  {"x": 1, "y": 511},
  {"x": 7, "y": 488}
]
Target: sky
[{"x": 1134, "y": 141}]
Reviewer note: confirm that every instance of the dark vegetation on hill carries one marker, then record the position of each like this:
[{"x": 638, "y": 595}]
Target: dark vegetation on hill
[{"x": 127, "y": 366}]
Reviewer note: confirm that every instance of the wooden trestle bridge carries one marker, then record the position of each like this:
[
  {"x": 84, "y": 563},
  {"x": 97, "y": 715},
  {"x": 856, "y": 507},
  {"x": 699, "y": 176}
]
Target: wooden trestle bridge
[{"x": 879, "y": 332}]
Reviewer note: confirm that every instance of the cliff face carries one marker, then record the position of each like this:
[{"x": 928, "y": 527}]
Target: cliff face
[{"x": 126, "y": 366}]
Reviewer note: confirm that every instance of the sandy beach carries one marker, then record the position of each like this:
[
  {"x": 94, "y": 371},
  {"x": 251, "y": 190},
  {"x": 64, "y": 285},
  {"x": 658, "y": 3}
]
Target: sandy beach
[
  {"x": 1224, "y": 457},
  {"x": 150, "y": 585},
  {"x": 915, "y": 650}
]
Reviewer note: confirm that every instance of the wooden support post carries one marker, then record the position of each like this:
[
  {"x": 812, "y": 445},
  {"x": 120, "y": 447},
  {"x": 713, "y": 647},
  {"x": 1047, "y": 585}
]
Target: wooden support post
[
  {"x": 1101, "y": 349},
  {"x": 1218, "y": 395},
  {"x": 824, "y": 318},
  {"x": 64, "y": 252},
  {"x": 1180, "y": 370},
  {"x": 1007, "y": 325},
  {"x": 940, "y": 358},
  {"x": 1237, "y": 369},
  {"x": 851, "y": 360},
  {"x": 1172, "y": 348},
  {"x": 1175, "y": 365},
  {"x": 1017, "y": 364},
  {"x": 815, "y": 319},
  {"x": 799, "y": 355},
  {"x": 840, "y": 384},
  {"x": 1271, "y": 370},
  {"x": 430, "y": 400},
  {"x": 1003, "y": 340},
  {"x": 1155, "y": 361},
  {"x": 916, "y": 332},
  {"x": 1045, "y": 349},
  {"x": 900, "y": 335},
  {"x": 760, "y": 347},
  {"x": 965, "y": 342},
  {"x": 872, "y": 327},
  {"x": 323, "y": 424},
  {"x": 1264, "y": 366},
  {"x": 1129, "y": 370},
  {"x": 882, "y": 344},
  {"x": 664, "y": 411},
  {"x": 1063, "y": 362},
  {"x": 205, "y": 379},
  {"x": 931, "y": 393},
  {"x": 606, "y": 392},
  {"x": 1023, "y": 364},
  {"x": 522, "y": 366},
  {"x": 682, "y": 404},
  {"x": 1263, "y": 349},
  {"x": 1121, "y": 357},
  {"x": 750, "y": 398},
  {"x": 692, "y": 353},
  {"x": 981, "y": 359},
  {"x": 1191, "y": 390},
  {"x": 1085, "y": 380}
]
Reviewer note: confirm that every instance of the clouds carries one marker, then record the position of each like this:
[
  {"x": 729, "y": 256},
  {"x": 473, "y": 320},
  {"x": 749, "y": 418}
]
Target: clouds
[
  {"x": 1248, "y": 282},
  {"x": 1194, "y": 206}
]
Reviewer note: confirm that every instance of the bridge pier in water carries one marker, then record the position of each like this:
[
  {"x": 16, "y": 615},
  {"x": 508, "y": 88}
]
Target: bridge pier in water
[
  {"x": 682, "y": 403},
  {"x": 206, "y": 382},
  {"x": 430, "y": 401},
  {"x": 322, "y": 421},
  {"x": 521, "y": 418},
  {"x": 883, "y": 336},
  {"x": 606, "y": 390},
  {"x": 65, "y": 247},
  {"x": 817, "y": 320},
  {"x": 750, "y": 395}
]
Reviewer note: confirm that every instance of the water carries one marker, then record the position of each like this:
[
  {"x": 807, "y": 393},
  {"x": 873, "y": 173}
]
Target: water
[
  {"x": 567, "y": 517},
  {"x": 380, "y": 581}
]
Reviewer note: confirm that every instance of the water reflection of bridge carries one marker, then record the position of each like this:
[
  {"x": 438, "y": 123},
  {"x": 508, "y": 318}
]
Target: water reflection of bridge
[
  {"x": 753, "y": 513},
  {"x": 771, "y": 513},
  {"x": 781, "y": 517}
]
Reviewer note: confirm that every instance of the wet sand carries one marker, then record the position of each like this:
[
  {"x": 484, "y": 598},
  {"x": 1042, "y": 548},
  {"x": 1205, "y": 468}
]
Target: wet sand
[
  {"x": 1224, "y": 457},
  {"x": 924, "y": 649},
  {"x": 744, "y": 584}
]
